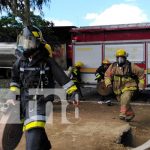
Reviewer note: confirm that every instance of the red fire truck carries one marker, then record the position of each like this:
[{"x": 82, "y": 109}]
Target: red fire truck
[{"x": 94, "y": 43}]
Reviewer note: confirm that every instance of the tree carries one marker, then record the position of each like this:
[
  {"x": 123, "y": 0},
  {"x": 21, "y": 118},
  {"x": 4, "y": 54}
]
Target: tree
[
  {"x": 22, "y": 8},
  {"x": 10, "y": 28},
  {"x": 9, "y": 20},
  {"x": 39, "y": 21}
]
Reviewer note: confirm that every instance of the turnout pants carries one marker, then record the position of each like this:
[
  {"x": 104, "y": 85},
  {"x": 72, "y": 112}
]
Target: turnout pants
[
  {"x": 36, "y": 139},
  {"x": 126, "y": 111},
  {"x": 35, "y": 119}
]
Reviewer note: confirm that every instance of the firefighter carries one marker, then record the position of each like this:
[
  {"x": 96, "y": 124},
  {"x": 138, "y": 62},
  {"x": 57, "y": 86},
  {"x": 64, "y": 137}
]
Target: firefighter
[
  {"x": 100, "y": 72},
  {"x": 126, "y": 78},
  {"x": 36, "y": 69},
  {"x": 75, "y": 75}
]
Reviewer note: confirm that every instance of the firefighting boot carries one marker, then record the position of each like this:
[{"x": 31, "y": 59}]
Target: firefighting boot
[
  {"x": 129, "y": 114},
  {"x": 109, "y": 103},
  {"x": 129, "y": 118},
  {"x": 122, "y": 116}
]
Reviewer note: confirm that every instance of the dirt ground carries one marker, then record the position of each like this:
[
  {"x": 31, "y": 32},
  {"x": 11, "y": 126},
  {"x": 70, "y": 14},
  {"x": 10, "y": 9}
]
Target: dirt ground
[{"x": 97, "y": 128}]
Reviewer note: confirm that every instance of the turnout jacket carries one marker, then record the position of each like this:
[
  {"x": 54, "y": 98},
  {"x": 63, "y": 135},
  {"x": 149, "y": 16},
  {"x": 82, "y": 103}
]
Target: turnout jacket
[
  {"x": 100, "y": 72},
  {"x": 128, "y": 77},
  {"x": 74, "y": 74},
  {"x": 37, "y": 73}
]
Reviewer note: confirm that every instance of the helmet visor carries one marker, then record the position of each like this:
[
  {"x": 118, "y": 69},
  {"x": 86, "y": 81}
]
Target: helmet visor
[{"x": 26, "y": 42}]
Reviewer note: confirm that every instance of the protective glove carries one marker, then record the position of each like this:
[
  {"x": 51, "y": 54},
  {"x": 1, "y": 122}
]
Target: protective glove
[
  {"x": 97, "y": 76},
  {"x": 75, "y": 98}
]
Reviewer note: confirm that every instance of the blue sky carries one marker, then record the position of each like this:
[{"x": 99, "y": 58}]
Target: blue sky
[{"x": 97, "y": 12}]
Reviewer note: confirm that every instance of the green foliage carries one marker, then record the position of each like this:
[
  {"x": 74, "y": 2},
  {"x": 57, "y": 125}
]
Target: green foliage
[
  {"x": 10, "y": 28},
  {"x": 9, "y": 20},
  {"x": 22, "y": 8},
  {"x": 39, "y": 22}
]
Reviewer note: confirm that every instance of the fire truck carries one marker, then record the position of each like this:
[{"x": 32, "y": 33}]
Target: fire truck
[
  {"x": 58, "y": 37},
  {"x": 7, "y": 58},
  {"x": 91, "y": 44}
]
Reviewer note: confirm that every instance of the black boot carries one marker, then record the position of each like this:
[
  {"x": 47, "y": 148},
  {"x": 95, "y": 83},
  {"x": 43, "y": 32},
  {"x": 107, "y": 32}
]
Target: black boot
[{"x": 36, "y": 139}]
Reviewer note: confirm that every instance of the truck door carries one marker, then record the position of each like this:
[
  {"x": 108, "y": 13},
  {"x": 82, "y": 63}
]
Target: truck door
[{"x": 91, "y": 55}]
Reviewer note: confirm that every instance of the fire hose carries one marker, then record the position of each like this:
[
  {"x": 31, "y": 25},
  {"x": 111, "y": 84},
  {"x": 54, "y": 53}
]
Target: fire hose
[{"x": 10, "y": 127}]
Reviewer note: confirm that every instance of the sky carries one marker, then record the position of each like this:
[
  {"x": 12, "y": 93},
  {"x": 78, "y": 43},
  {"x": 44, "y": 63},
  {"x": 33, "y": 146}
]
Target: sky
[{"x": 97, "y": 12}]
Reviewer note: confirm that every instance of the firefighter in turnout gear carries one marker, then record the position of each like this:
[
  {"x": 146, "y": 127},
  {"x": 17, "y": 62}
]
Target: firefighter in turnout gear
[
  {"x": 126, "y": 78},
  {"x": 100, "y": 72},
  {"x": 75, "y": 75},
  {"x": 36, "y": 69}
]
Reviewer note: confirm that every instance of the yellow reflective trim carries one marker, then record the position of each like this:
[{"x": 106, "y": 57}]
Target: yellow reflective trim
[
  {"x": 117, "y": 92},
  {"x": 71, "y": 89},
  {"x": 35, "y": 124},
  {"x": 141, "y": 81},
  {"x": 14, "y": 89},
  {"x": 98, "y": 76},
  {"x": 79, "y": 64},
  {"x": 35, "y": 33},
  {"x": 75, "y": 71},
  {"x": 116, "y": 78},
  {"x": 49, "y": 49},
  {"x": 126, "y": 79},
  {"x": 129, "y": 89},
  {"x": 74, "y": 80},
  {"x": 107, "y": 81}
]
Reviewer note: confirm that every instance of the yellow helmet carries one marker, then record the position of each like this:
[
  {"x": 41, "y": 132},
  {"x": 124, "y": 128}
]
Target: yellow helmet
[
  {"x": 106, "y": 61},
  {"x": 79, "y": 64},
  {"x": 121, "y": 52}
]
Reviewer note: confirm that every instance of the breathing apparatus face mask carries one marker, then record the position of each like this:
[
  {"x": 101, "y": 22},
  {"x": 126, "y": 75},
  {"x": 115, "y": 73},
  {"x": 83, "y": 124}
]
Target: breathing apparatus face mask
[{"x": 121, "y": 61}]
